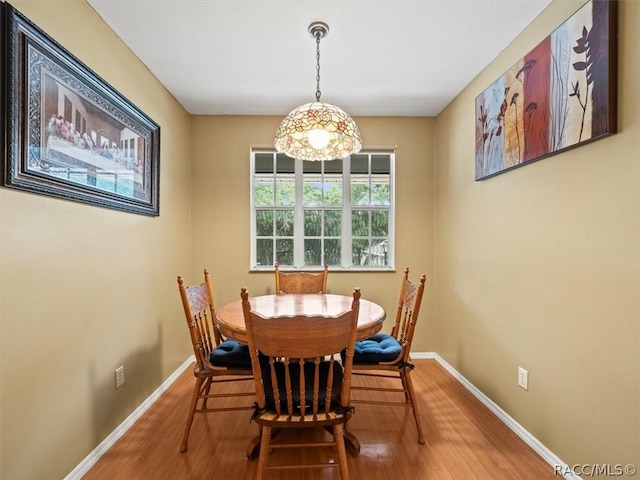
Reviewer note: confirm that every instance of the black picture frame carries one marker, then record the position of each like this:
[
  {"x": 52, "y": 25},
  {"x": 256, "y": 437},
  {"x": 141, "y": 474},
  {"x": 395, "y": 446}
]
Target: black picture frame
[{"x": 66, "y": 132}]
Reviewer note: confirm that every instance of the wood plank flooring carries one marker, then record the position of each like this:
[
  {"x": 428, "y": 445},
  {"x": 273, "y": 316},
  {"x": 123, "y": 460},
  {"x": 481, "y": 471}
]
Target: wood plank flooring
[{"x": 464, "y": 440}]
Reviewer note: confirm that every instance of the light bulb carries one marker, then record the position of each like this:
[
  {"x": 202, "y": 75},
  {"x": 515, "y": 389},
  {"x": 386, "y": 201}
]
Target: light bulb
[{"x": 318, "y": 138}]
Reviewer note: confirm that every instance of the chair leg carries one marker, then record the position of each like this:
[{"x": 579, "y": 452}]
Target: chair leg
[
  {"x": 406, "y": 380},
  {"x": 265, "y": 445},
  {"x": 192, "y": 410},
  {"x": 338, "y": 436},
  {"x": 407, "y": 398},
  {"x": 206, "y": 389},
  {"x": 253, "y": 449}
]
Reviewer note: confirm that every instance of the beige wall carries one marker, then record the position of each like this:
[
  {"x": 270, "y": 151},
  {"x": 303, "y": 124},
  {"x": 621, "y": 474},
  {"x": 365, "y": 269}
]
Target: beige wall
[
  {"x": 537, "y": 267},
  {"x": 540, "y": 267},
  {"x": 221, "y": 147},
  {"x": 85, "y": 289}
]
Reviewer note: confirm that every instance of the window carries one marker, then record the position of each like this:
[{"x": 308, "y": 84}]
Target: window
[{"x": 305, "y": 214}]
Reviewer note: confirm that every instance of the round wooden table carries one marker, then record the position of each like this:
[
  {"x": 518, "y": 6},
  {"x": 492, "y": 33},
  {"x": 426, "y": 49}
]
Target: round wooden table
[
  {"x": 230, "y": 318},
  {"x": 230, "y": 321}
]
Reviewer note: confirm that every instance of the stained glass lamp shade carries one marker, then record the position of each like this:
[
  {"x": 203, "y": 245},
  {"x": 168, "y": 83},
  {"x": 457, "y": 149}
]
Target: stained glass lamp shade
[{"x": 318, "y": 131}]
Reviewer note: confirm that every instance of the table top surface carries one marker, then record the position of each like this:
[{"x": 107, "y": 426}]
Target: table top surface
[{"x": 230, "y": 318}]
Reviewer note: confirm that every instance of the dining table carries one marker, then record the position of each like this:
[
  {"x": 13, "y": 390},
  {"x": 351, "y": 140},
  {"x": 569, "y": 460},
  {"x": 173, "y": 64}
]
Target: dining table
[{"x": 230, "y": 322}]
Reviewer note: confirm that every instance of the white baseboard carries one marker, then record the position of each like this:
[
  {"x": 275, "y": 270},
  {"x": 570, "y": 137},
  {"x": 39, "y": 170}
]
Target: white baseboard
[
  {"x": 91, "y": 459},
  {"x": 546, "y": 454}
]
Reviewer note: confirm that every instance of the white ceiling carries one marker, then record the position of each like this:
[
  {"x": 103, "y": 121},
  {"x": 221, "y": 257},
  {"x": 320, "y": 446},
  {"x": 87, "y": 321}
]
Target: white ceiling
[{"x": 255, "y": 57}]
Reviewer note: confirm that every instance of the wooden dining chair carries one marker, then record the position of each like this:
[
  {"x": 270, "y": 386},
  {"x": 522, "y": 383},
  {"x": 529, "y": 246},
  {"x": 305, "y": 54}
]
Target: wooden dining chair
[
  {"x": 388, "y": 355},
  {"x": 299, "y": 382},
  {"x": 301, "y": 282},
  {"x": 218, "y": 360}
]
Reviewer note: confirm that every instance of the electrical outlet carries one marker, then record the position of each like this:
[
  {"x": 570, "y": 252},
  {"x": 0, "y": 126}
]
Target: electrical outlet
[
  {"x": 119, "y": 376},
  {"x": 523, "y": 378}
]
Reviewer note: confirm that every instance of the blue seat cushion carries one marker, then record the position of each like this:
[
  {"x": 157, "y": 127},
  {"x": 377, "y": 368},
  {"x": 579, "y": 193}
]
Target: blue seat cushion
[
  {"x": 377, "y": 348},
  {"x": 294, "y": 369},
  {"x": 231, "y": 354}
]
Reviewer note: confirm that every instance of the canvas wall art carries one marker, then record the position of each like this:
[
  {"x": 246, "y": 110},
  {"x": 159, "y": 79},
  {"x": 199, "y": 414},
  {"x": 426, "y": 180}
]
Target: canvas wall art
[{"x": 560, "y": 95}]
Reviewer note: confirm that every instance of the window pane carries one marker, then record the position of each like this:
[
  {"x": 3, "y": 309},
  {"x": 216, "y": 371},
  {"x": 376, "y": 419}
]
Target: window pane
[
  {"x": 264, "y": 223},
  {"x": 264, "y": 194},
  {"x": 379, "y": 252},
  {"x": 284, "y": 251},
  {"x": 359, "y": 191},
  {"x": 285, "y": 192},
  {"x": 284, "y": 223},
  {"x": 312, "y": 192},
  {"x": 333, "y": 166},
  {"x": 360, "y": 252},
  {"x": 332, "y": 253},
  {"x": 380, "y": 164},
  {"x": 264, "y": 163},
  {"x": 360, "y": 223},
  {"x": 380, "y": 223},
  {"x": 360, "y": 164},
  {"x": 264, "y": 251},
  {"x": 380, "y": 193},
  {"x": 311, "y": 167},
  {"x": 312, "y": 251},
  {"x": 333, "y": 190},
  {"x": 312, "y": 223},
  {"x": 333, "y": 223},
  {"x": 284, "y": 164}
]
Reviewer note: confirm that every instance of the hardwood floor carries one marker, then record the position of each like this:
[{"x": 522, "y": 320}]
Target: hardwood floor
[{"x": 464, "y": 440}]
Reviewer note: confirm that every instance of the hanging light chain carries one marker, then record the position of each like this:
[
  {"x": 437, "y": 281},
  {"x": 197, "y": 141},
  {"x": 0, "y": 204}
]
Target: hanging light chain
[{"x": 318, "y": 93}]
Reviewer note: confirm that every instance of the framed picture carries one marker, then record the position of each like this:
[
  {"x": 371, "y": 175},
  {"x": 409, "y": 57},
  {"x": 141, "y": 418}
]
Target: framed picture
[
  {"x": 561, "y": 95},
  {"x": 68, "y": 133}
]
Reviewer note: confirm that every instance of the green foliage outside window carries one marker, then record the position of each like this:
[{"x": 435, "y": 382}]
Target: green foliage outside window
[{"x": 322, "y": 198}]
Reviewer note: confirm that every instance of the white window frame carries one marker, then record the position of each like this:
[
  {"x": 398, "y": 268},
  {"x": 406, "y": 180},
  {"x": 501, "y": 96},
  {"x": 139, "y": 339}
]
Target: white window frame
[{"x": 346, "y": 240}]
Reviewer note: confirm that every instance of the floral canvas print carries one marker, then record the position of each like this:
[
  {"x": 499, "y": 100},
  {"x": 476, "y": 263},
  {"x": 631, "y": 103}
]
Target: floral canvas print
[{"x": 560, "y": 95}]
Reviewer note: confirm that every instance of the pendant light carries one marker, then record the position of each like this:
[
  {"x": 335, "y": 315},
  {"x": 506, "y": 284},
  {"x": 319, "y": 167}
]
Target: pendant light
[{"x": 318, "y": 131}]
